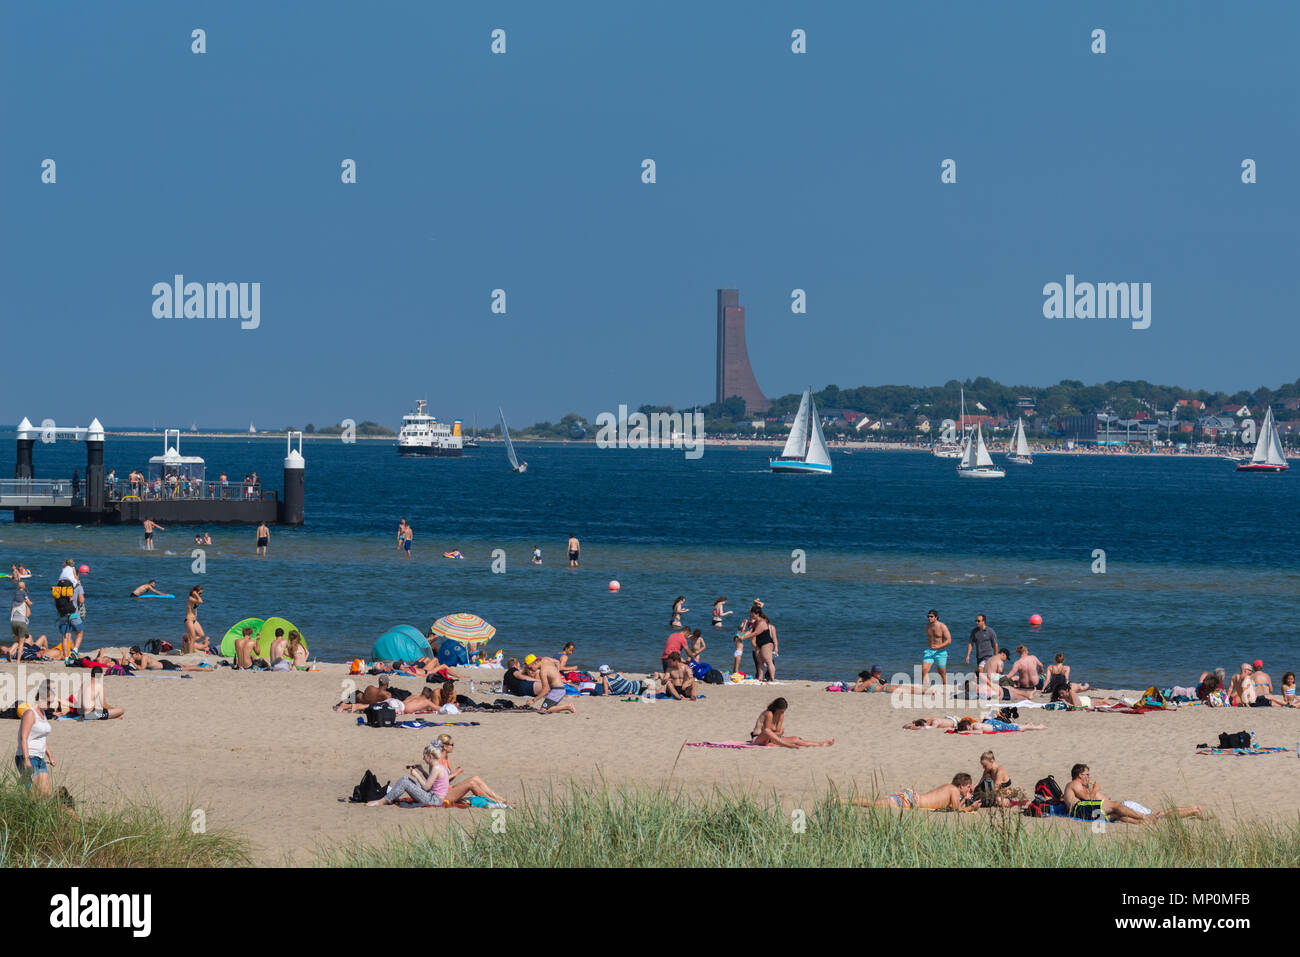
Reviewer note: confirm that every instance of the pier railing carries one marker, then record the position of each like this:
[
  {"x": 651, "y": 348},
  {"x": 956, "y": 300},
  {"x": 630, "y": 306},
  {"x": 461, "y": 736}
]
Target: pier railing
[
  {"x": 211, "y": 491},
  {"x": 24, "y": 492}
]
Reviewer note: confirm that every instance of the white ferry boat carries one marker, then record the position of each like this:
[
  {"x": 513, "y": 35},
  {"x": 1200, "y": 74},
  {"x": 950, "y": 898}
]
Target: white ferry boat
[{"x": 423, "y": 434}]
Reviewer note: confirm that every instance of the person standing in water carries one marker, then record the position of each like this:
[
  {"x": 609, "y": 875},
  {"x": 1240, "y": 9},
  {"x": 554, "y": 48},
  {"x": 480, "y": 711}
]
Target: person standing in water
[
  {"x": 718, "y": 613},
  {"x": 675, "y": 621},
  {"x": 574, "y": 549},
  {"x": 537, "y": 555},
  {"x": 408, "y": 536},
  {"x": 263, "y": 539},
  {"x": 401, "y": 533},
  {"x": 150, "y": 526}
]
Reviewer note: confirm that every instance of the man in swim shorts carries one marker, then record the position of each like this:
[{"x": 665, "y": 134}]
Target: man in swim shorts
[
  {"x": 938, "y": 638},
  {"x": 146, "y": 588},
  {"x": 574, "y": 549},
  {"x": 1085, "y": 802},
  {"x": 149, "y": 526},
  {"x": 551, "y": 689},
  {"x": 263, "y": 539}
]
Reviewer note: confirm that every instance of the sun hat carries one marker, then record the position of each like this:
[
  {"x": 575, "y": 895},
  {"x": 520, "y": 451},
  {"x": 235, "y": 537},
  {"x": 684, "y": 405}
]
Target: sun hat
[{"x": 603, "y": 669}]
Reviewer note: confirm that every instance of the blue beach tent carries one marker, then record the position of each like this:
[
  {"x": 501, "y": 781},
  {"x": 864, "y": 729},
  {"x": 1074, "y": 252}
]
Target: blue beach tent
[{"x": 402, "y": 643}]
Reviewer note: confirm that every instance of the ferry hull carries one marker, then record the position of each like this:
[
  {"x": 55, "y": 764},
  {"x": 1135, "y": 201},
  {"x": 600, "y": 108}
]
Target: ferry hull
[
  {"x": 984, "y": 473},
  {"x": 420, "y": 452},
  {"x": 794, "y": 467}
]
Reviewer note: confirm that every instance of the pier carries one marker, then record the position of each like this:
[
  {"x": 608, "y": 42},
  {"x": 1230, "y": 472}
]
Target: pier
[{"x": 176, "y": 490}]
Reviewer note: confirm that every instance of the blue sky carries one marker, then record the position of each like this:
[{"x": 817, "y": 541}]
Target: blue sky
[{"x": 522, "y": 171}]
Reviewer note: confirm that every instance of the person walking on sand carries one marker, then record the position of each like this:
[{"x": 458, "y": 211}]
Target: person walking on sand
[
  {"x": 574, "y": 549},
  {"x": 33, "y": 756},
  {"x": 937, "y": 638},
  {"x": 150, "y": 526},
  {"x": 263, "y": 539},
  {"x": 769, "y": 729}
]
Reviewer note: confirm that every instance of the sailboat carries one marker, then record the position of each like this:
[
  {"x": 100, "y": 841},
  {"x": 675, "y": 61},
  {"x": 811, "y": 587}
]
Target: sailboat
[
  {"x": 976, "y": 461},
  {"x": 1019, "y": 454},
  {"x": 515, "y": 464},
  {"x": 1268, "y": 455},
  {"x": 805, "y": 450}
]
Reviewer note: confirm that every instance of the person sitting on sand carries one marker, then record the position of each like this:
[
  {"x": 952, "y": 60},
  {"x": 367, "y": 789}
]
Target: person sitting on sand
[
  {"x": 1261, "y": 679},
  {"x": 1085, "y": 802},
  {"x": 516, "y": 682},
  {"x": 95, "y": 705},
  {"x": 276, "y": 654},
  {"x": 1027, "y": 672},
  {"x": 613, "y": 683},
  {"x": 678, "y": 680},
  {"x": 995, "y": 783},
  {"x": 946, "y": 797},
  {"x": 1288, "y": 697},
  {"x": 429, "y": 783},
  {"x": 135, "y": 658},
  {"x": 769, "y": 729},
  {"x": 146, "y": 589},
  {"x": 549, "y": 687},
  {"x": 373, "y": 694},
  {"x": 873, "y": 681},
  {"x": 1058, "y": 676},
  {"x": 296, "y": 652},
  {"x": 245, "y": 648}
]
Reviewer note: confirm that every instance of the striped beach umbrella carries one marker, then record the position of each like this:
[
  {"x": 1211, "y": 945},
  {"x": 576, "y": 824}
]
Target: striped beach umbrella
[{"x": 463, "y": 627}]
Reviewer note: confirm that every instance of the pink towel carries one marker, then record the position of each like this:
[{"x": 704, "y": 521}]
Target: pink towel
[{"x": 722, "y": 744}]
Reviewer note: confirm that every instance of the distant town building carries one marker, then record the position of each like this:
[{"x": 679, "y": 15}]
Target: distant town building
[{"x": 734, "y": 374}]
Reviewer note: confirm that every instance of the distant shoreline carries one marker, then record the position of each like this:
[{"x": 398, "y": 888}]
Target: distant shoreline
[{"x": 709, "y": 443}]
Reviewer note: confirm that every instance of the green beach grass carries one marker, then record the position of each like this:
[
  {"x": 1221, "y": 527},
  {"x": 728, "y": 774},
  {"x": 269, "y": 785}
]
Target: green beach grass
[
  {"x": 598, "y": 826},
  {"x": 44, "y": 832}
]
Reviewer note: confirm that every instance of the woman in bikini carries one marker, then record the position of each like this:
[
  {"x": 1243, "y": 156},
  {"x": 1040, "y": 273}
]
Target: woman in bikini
[
  {"x": 718, "y": 611},
  {"x": 769, "y": 729},
  {"x": 194, "y": 638},
  {"x": 1058, "y": 676},
  {"x": 946, "y": 797},
  {"x": 675, "y": 621},
  {"x": 994, "y": 783},
  {"x": 297, "y": 651}
]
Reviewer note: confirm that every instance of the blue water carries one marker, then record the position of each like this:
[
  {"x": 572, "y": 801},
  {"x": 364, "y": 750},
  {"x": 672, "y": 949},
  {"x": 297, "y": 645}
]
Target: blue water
[{"x": 1202, "y": 563}]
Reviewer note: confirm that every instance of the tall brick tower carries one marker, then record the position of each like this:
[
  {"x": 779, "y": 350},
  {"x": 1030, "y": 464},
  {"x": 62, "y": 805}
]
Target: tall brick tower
[{"x": 735, "y": 377}]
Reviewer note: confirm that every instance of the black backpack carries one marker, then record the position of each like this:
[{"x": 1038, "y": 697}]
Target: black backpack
[
  {"x": 369, "y": 789},
  {"x": 714, "y": 677},
  {"x": 62, "y": 593},
  {"x": 1048, "y": 791},
  {"x": 1239, "y": 740},
  {"x": 381, "y": 715}
]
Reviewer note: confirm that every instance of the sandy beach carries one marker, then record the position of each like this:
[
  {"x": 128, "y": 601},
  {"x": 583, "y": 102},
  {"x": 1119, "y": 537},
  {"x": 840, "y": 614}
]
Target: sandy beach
[{"x": 264, "y": 754}]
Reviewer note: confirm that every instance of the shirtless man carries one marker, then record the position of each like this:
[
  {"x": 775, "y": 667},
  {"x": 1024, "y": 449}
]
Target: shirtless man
[
  {"x": 1085, "y": 802},
  {"x": 990, "y": 680},
  {"x": 574, "y": 549},
  {"x": 946, "y": 797},
  {"x": 278, "y": 644},
  {"x": 194, "y": 638},
  {"x": 1027, "y": 672},
  {"x": 245, "y": 649},
  {"x": 263, "y": 539},
  {"x": 678, "y": 680},
  {"x": 146, "y": 588},
  {"x": 938, "y": 638},
  {"x": 408, "y": 536},
  {"x": 364, "y": 699},
  {"x": 401, "y": 533},
  {"x": 135, "y": 658},
  {"x": 550, "y": 686},
  {"x": 150, "y": 526}
]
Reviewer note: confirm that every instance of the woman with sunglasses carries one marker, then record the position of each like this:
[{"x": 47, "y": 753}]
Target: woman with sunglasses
[{"x": 430, "y": 782}]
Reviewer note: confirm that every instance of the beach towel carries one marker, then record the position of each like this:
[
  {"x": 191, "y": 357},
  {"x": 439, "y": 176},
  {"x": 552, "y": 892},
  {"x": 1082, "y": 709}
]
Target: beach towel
[
  {"x": 417, "y": 723},
  {"x": 986, "y": 731},
  {"x": 1243, "y": 751},
  {"x": 723, "y": 744}
]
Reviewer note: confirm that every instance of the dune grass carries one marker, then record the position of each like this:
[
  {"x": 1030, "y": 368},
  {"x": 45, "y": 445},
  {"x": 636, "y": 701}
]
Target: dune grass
[
  {"x": 586, "y": 826},
  {"x": 44, "y": 832}
]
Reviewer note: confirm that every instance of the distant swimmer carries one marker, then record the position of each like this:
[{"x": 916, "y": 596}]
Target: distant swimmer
[
  {"x": 574, "y": 549},
  {"x": 454, "y": 553},
  {"x": 150, "y": 526},
  {"x": 537, "y": 555},
  {"x": 263, "y": 539},
  {"x": 401, "y": 534},
  {"x": 679, "y": 609},
  {"x": 146, "y": 589},
  {"x": 718, "y": 612},
  {"x": 408, "y": 536}
]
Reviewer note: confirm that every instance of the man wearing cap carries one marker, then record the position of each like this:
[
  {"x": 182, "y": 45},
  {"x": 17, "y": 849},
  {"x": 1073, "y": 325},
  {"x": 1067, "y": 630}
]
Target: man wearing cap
[{"x": 613, "y": 683}]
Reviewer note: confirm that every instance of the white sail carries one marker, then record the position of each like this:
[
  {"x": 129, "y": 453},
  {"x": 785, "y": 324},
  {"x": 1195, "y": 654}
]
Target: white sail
[
  {"x": 1268, "y": 449},
  {"x": 982, "y": 457},
  {"x": 1021, "y": 447},
  {"x": 818, "y": 454},
  {"x": 797, "y": 444},
  {"x": 510, "y": 446},
  {"x": 967, "y": 452}
]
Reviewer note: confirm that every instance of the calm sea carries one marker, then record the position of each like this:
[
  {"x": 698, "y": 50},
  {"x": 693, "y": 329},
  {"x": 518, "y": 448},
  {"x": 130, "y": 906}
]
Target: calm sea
[{"x": 1202, "y": 564}]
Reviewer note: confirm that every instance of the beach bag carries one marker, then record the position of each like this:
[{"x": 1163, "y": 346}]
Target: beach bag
[
  {"x": 369, "y": 789},
  {"x": 502, "y": 704},
  {"x": 1239, "y": 740},
  {"x": 62, "y": 593},
  {"x": 700, "y": 670},
  {"x": 714, "y": 677},
  {"x": 1048, "y": 791},
  {"x": 381, "y": 716}
]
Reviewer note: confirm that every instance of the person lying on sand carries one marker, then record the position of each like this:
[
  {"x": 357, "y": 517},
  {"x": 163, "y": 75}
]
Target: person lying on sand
[
  {"x": 769, "y": 729},
  {"x": 873, "y": 681},
  {"x": 37, "y": 649},
  {"x": 1085, "y": 802},
  {"x": 428, "y": 666},
  {"x": 946, "y": 797},
  {"x": 135, "y": 658},
  {"x": 953, "y": 723},
  {"x": 373, "y": 694}
]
